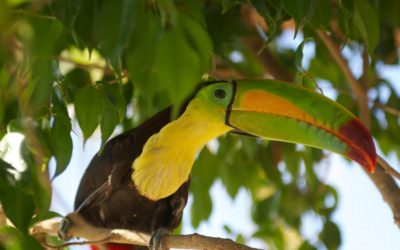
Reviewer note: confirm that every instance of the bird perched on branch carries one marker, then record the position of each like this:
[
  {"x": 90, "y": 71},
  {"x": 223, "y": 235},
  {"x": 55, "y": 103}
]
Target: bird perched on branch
[{"x": 140, "y": 180}]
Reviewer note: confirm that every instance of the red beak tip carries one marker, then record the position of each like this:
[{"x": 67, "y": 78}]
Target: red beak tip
[
  {"x": 361, "y": 144},
  {"x": 371, "y": 169}
]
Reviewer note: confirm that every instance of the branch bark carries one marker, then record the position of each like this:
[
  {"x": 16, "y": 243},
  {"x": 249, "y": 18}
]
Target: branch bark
[{"x": 77, "y": 228}]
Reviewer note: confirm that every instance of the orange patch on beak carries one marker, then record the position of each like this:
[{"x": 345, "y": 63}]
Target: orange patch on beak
[{"x": 264, "y": 102}]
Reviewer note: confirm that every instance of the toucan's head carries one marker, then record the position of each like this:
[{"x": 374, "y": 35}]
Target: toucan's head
[
  {"x": 286, "y": 112},
  {"x": 263, "y": 108}
]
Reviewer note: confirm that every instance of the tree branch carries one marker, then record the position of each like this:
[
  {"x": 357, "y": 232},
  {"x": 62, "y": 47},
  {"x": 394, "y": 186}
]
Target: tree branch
[
  {"x": 78, "y": 228},
  {"x": 364, "y": 78},
  {"x": 359, "y": 92},
  {"x": 388, "y": 169},
  {"x": 388, "y": 109},
  {"x": 382, "y": 179}
]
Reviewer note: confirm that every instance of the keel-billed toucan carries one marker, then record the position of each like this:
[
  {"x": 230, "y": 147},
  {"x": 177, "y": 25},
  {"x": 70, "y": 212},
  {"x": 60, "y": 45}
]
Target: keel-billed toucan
[{"x": 148, "y": 168}]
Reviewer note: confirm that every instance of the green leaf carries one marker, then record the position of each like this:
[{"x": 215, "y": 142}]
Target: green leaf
[
  {"x": 45, "y": 37},
  {"x": 17, "y": 240},
  {"x": 31, "y": 179},
  {"x": 45, "y": 216},
  {"x": 267, "y": 210},
  {"x": 85, "y": 23},
  {"x": 240, "y": 239},
  {"x": 89, "y": 106},
  {"x": 115, "y": 25},
  {"x": 5, "y": 13},
  {"x": 346, "y": 14},
  {"x": 75, "y": 80},
  {"x": 223, "y": 28},
  {"x": 113, "y": 94},
  {"x": 15, "y": 126},
  {"x": 35, "y": 98},
  {"x": 300, "y": 10},
  {"x": 299, "y": 54},
  {"x": 226, "y": 4},
  {"x": 66, "y": 11},
  {"x": 60, "y": 140},
  {"x": 172, "y": 58},
  {"x": 141, "y": 52},
  {"x": 109, "y": 120},
  {"x": 114, "y": 110},
  {"x": 330, "y": 235},
  {"x": 307, "y": 246},
  {"x": 203, "y": 176},
  {"x": 18, "y": 205},
  {"x": 323, "y": 14},
  {"x": 183, "y": 55},
  {"x": 366, "y": 22}
]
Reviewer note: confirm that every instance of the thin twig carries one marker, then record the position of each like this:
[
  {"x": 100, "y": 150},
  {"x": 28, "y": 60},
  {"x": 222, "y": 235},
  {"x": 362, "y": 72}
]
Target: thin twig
[
  {"x": 388, "y": 169},
  {"x": 364, "y": 77},
  {"x": 25, "y": 12},
  {"x": 387, "y": 109}
]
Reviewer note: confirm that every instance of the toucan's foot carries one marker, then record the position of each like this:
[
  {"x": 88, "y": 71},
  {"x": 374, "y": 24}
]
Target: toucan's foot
[
  {"x": 63, "y": 232},
  {"x": 156, "y": 239}
]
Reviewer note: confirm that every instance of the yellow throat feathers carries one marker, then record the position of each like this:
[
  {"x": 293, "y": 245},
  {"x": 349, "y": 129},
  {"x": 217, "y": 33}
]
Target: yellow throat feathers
[{"x": 168, "y": 156}]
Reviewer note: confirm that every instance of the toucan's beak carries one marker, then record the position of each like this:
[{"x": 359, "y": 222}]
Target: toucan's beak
[{"x": 285, "y": 112}]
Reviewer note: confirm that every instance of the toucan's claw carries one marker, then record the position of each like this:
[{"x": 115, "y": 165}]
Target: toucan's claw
[
  {"x": 63, "y": 232},
  {"x": 155, "y": 242}
]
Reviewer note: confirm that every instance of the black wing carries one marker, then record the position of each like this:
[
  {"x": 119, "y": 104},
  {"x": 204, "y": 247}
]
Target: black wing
[{"x": 107, "y": 197}]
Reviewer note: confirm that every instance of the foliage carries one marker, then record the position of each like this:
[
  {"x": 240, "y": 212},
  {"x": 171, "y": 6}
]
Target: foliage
[{"x": 106, "y": 58}]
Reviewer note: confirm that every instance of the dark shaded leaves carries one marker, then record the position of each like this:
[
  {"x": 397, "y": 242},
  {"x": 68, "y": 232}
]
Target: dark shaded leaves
[
  {"x": 89, "y": 106},
  {"x": 115, "y": 25},
  {"x": 18, "y": 205},
  {"x": 60, "y": 139},
  {"x": 366, "y": 23},
  {"x": 203, "y": 175},
  {"x": 330, "y": 235}
]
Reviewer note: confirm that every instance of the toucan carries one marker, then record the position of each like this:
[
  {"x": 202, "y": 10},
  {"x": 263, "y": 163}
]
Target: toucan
[{"x": 140, "y": 179}]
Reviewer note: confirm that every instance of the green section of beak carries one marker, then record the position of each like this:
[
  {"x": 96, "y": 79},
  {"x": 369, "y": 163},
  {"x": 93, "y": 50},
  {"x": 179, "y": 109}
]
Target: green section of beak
[
  {"x": 286, "y": 112},
  {"x": 280, "y": 128}
]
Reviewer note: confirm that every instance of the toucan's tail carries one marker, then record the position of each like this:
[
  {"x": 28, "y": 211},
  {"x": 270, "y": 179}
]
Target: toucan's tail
[{"x": 115, "y": 246}]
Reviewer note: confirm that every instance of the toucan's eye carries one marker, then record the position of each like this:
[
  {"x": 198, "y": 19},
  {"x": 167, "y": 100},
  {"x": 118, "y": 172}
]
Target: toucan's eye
[{"x": 220, "y": 93}]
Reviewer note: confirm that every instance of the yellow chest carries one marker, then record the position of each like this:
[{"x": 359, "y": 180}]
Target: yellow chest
[{"x": 168, "y": 156}]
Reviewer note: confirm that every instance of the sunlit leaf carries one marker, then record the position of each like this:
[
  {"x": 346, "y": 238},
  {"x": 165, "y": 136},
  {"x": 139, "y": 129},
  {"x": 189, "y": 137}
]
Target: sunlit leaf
[{"x": 115, "y": 25}]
